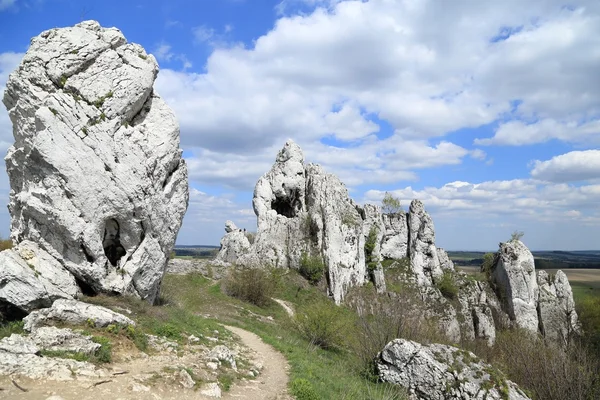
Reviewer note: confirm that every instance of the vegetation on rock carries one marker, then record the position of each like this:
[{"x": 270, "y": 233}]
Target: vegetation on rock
[{"x": 390, "y": 204}]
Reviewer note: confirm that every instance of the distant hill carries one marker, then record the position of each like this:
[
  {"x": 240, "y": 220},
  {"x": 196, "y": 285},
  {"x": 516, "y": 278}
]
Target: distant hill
[
  {"x": 196, "y": 251},
  {"x": 543, "y": 259}
]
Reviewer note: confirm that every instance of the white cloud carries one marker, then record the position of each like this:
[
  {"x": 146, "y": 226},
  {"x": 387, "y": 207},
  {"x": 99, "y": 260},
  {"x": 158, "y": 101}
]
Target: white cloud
[
  {"x": 203, "y": 34},
  {"x": 518, "y": 133},
  {"x": 163, "y": 52},
  {"x": 569, "y": 167},
  {"x": 6, "y": 4}
]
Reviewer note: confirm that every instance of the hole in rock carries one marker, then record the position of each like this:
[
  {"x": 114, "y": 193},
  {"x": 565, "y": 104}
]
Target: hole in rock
[
  {"x": 288, "y": 206},
  {"x": 113, "y": 249},
  {"x": 9, "y": 312},
  {"x": 85, "y": 288}
]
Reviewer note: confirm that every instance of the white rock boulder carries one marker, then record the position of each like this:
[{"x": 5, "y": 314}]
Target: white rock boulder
[
  {"x": 513, "y": 274},
  {"x": 439, "y": 372},
  {"x": 556, "y": 307},
  {"x": 96, "y": 174}
]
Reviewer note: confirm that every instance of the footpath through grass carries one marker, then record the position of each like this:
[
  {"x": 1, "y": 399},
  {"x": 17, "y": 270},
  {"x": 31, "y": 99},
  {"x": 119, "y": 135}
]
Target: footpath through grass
[{"x": 315, "y": 373}]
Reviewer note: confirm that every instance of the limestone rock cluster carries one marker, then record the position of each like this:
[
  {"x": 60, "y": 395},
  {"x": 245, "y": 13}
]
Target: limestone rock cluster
[
  {"x": 438, "y": 372},
  {"x": 98, "y": 183},
  {"x": 301, "y": 210}
]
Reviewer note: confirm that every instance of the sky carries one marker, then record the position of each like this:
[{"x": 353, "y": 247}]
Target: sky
[{"x": 489, "y": 112}]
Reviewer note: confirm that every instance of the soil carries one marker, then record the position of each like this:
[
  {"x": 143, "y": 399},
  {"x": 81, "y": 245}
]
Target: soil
[{"x": 134, "y": 375}]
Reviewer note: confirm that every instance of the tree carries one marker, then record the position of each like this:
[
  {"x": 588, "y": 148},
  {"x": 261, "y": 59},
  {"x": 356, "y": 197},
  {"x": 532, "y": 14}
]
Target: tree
[
  {"x": 488, "y": 263},
  {"x": 516, "y": 235},
  {"x": 390, "y": 204}
]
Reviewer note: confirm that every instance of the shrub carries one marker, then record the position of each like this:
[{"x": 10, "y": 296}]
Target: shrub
[
  {"x": 104, "y": 353},
  {"x": 323, "y": 324},
  {"x": 488, "y": 263},
  {"x": 543, "y": 369},
  {"x": 447, "y": 286},
  {"x": 253, "y": 285},
  {"x": 370, "y": 244},
  {"x": 311, "y": 267},
  {"x": 516, "y": 235},
  {"x": 303, "y": 390},
  {"x": 390, "y": 204}
]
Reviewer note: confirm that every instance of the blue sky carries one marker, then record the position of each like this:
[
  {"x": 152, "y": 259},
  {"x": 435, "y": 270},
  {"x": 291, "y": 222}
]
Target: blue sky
[{"x": 487, "y": 111}]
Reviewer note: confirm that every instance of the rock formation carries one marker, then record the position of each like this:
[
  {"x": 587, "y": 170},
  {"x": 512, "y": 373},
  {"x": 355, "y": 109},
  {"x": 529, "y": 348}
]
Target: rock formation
[
  {"x": 513, "y": 274},
  {"x": 438, "y": 372},
  {"x": 98, "y": 184},
  {"x": 555, "y": 307},
  {"x": 303, "y": 210}
]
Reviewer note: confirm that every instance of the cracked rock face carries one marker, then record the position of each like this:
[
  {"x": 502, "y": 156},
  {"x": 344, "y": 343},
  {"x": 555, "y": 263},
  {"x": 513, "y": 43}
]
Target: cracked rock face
[
  {"x": 438, "y": 372},
  {"x": 513, "y": 274},
  {"x": 97, "y": 178},
  {"x": 556, "y": 307}
]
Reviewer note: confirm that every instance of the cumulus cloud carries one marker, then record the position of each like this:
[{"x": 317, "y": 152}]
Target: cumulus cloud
[
  {"x": 6, "y": 4},
  {"x": 569, "y": 167}
]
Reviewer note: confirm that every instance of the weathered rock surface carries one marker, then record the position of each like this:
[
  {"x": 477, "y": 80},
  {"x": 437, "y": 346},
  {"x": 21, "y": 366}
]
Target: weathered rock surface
[
  {"x": 556, "y": 308},
  {"x": 20, "y": 355},
  {"x": 394, "y": 243},
  {"x": 439, "y": 372},
  {"x": 513, "y": 274},
  {"x": 424, "y": 260},
  {"x": 233, "y": 245},
  {"x": 30, "y": 278},
  {"x": 96, "y": 173},
  {"x": 63, "y": 339},
  {"x": 74, "y": 312}
]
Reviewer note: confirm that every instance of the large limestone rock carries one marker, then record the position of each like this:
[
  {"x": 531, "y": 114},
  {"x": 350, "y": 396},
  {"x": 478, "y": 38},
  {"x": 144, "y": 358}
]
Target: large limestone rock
[
  {"x": 439, "y": 372},
  {"x": 556, "y": 308},
  {"x": 394, "y": 243},
  {"x": 301, "y": 209},
  {"x": 513, "y": 274},
  {"x": 96, "y": 173},
  {"x": 233, "y": 245},
  {"x": 424, "y": 260}
]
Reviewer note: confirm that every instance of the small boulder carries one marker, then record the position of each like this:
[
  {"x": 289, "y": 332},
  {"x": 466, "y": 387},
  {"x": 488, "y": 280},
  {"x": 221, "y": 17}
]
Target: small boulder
[{"x": 63, "y": 339}]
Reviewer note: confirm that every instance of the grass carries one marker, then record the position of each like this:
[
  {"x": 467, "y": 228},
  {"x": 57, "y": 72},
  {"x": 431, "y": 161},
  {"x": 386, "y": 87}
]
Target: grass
[
  {"x": 195, "y": 302},
  {"x": 7, "y": 328}
]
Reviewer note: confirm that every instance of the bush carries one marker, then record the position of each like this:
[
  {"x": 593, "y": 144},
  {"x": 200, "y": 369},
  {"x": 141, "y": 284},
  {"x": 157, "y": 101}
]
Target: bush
[
  {"x": 370, "y": 244},
  {"x": 5, "y": 244},
  {"x": 303, "y": 390},
  {"x": 516, "y": 235},
  {"x": 311, "y": 267},
  {"x": 487, "y": 265},
  {"x": 447, "y": 286},
  {"x": 323, "y": 324},
  {"x": 253, "y": 285},
  {"x": 7, "y": 328},
  {"x": 104, "y": 353},
  {"x": 390, "y": 204},
  {"x": 544, "y": 369}
]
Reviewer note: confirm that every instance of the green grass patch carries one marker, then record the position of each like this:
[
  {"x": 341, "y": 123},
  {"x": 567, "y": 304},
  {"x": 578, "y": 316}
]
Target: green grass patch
[{"x": 7, "y": 328}]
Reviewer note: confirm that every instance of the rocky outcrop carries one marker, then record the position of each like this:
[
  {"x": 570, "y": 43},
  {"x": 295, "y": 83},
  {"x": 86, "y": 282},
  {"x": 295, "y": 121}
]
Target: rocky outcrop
[
  {"x": 438, "y": 372},
  {"x": 233, "y": 245},
  {"x": 73, "y": 312},
  {"x": 394, "y": 243},
  {"x": 20, "y": 355},
  {"x": 513, "y": 275},
  {"x": 556, "y": 309},
  {"x": 424, "y": 260},
  {"x": 97, "y": 180},
  {"x": 63, "y": 340}
]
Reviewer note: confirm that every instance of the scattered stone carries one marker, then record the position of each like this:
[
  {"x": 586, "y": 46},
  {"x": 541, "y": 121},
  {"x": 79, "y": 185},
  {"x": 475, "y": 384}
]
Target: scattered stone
[
  {"x": 185, "y": 379},
  {"x": 223, "y": 353},
  {"x": 138, "y": 387},
  {"x": 437, "y": 372},
  {"x": 211, "y": 389},
  {"x": 96, "y": 173},
  {"x": 74, "y": 312}
]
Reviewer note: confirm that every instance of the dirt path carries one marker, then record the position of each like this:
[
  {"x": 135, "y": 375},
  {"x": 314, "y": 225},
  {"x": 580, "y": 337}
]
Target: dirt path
[
  {"x": 286, "y": 306},
  {"x": 271, "y": 384},
  {"x": 133, "y": 377}
]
